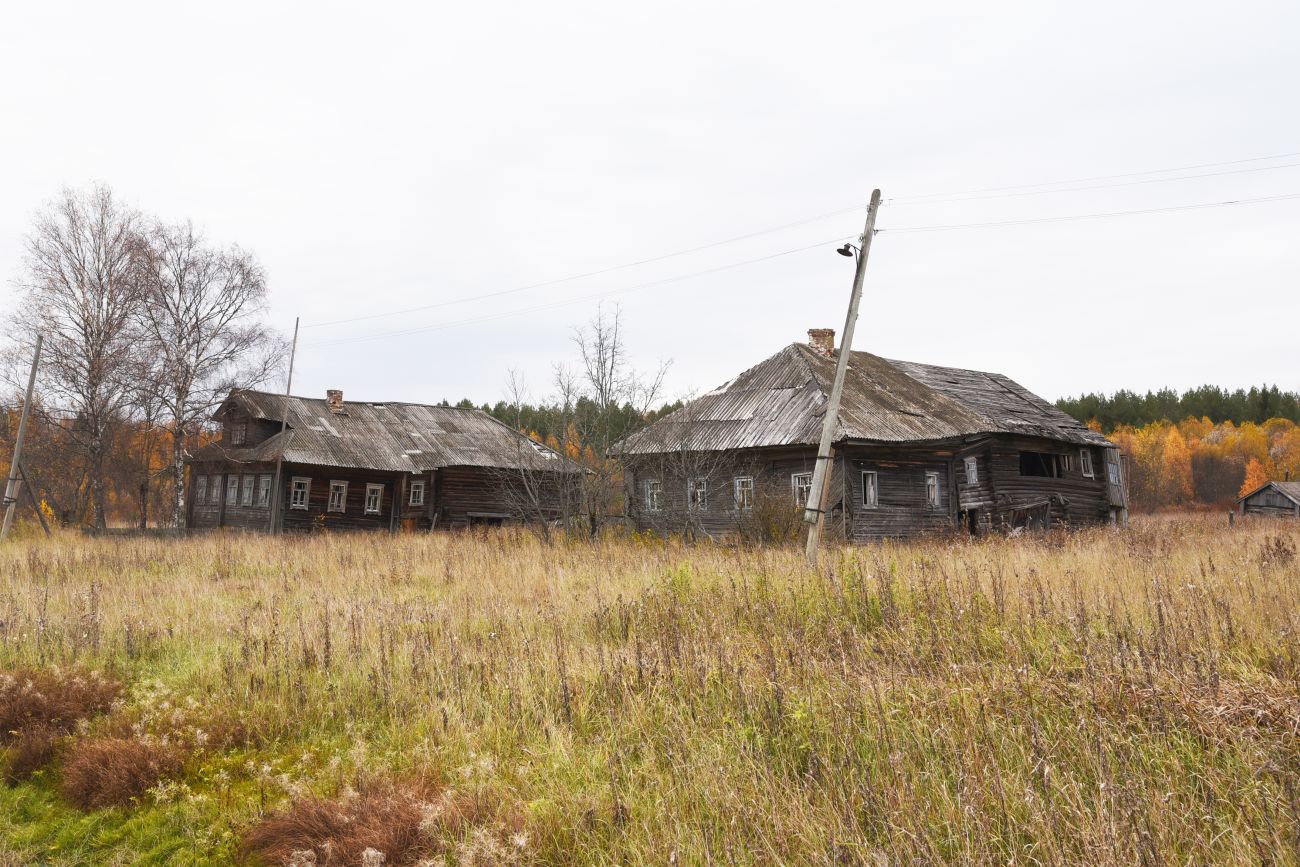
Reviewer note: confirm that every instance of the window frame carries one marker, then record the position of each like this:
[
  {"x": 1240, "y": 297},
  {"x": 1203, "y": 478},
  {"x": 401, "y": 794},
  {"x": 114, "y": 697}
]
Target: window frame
[
  {"x": 246, "y": 483},
  {"x": 972, "y": 464},
  {"x": 201, "y": 489},
  {"x": 873, "y": 487},
  {"x": 932, "y": 502},
  {"x": 372, "y": 487},
  {"x": 238, "y": 432},
  {"x": 745, "y": 503},
  {"x": 795, "y": 486},
  {"x": 652, "y": 495},
  {"x": 263, "y": 497},
  {"x": 697, "y": 495},
  {"x": 1086, "y": 465},
  {"x": 416, "y": 485},
  {"x": 232, "y": 489},
  {"x": 337, "y": 486},
  {"x": 305, "y": 490}
]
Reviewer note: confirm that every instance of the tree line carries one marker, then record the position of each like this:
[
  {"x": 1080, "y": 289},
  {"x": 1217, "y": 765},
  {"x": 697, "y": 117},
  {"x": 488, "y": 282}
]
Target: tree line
[
  {"x": 1257, "y": 404},
  {"x": 147, "y": 326}
]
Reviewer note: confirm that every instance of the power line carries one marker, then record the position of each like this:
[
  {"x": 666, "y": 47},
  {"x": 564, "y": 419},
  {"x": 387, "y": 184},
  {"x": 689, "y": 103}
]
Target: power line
[
  {"x": 1096, "y": 216},
  {"x": 540, "y": 307},
  {"x": 1095, "y": 178},
  {"x": 612, "y": 268}
]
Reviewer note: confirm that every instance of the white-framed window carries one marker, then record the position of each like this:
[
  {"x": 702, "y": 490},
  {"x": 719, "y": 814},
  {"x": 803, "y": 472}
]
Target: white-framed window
[
  {"x": 246, "y": 490},
  {"x": 697, "y": 494},
  {"x": 214, "y": 491},
  {"x": 264, "y": 491},
  {"x": 744, "y": 492},
  {"x": 299, "y": 492},
  {"x": 801, "y": 487},
  {"x": 653, "y": 495},
  {"x": 338, "y": 497},
  {"x": 1085, "y": 462},
  {"x": 870, "y": 489},
  {"x": 232, "y": 490},
  {"x": 932, "y": 490},
  {"x": 417, "y": 493},
  {"x": 972, "y": 471},
  {"x": 1112, "y": 472},
  {"x": 374, "y": 498}
]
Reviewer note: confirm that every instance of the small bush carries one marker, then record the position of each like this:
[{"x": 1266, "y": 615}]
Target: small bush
[
  {"x": 33, "y": 750},
  {"x": 403, "y": 822},
  {"x": 110, "y": 772},
  {"x": 38, "y": 706},
  {"x": 53, "y": 699}
]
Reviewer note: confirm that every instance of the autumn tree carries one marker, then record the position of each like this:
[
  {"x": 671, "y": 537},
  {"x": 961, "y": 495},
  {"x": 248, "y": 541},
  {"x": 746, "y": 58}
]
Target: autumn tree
[
  {"x": 201, "y": 322},
  {"x": 1175, "y": 470},
  {"x": 1256, "y": 477},
  {"x": 81, "y": 287}
]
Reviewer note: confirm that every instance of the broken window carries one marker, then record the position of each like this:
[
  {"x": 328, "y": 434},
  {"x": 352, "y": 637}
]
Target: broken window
[
  {"x": 972, "y": 471},
  {"x": 801, "y": 485},
  {"x": 232, "y": 490},
  {"x": 653, "y": 489},
  {"x": 744, "y": 493},
  {"x": 238, "y": 432},
  {"x": 263, "y": 491},
  {"x": 1042, "y": 464},
  {"x": 870, "y": 489},
  {"x": 201, "y": 489},
  {"x": 697, "y": 494},
  {"x": 932, "y": 490},
  {"x": 246, "y": 490},
  {"x": 1085, "y": 462}
]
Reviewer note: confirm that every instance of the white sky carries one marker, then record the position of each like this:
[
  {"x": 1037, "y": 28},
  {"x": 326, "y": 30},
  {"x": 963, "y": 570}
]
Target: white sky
[{"x": 380, "y": 157}]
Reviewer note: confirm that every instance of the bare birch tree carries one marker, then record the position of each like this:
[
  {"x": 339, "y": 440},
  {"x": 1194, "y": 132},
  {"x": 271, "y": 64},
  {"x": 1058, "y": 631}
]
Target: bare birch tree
[
  {"x": 201, "y": 321},
  {"x": 80, "y": 288}
]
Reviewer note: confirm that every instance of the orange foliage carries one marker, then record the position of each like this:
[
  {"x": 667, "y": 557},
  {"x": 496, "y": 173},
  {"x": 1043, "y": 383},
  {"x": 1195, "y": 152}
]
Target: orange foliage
[{"x": 1256, "y": 477}]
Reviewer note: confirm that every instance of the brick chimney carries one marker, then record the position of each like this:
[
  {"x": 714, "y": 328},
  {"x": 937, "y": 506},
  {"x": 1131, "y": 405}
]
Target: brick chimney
[
  {"x": 822, "y": 340},
  {"x": 334, "y": 399}
]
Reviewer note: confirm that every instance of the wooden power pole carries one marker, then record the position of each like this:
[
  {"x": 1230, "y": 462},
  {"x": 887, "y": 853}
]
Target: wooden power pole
[
  {"x": 815, "y": 508},
  {"x": 11, "y": 489},
  {"x": 276, "y": 497}
]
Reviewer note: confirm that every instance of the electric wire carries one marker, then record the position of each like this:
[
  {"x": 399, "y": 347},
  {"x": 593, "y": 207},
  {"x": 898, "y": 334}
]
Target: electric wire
[{"x": 437, "y": 326}]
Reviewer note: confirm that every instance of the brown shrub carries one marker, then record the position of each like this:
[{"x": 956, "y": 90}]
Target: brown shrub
[
  {"x": 51, "y": 699},
  {"x": 108, "y": 772},
  {"x": 404, "y": 821},
  {"x": 33, "y": 750},
  {"x": 37, "y": 706}
]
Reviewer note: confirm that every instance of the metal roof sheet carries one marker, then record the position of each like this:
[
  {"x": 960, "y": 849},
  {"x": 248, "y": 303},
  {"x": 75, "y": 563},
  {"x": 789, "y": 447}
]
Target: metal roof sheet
[
  {"x": 781, "y": 401},
  {"x": 395, "y": 437}
]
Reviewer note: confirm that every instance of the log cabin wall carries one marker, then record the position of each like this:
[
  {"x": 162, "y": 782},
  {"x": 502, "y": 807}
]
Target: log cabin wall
[
  {"x": 472, "y": 495},
  {"x": 1269, "y": 503},
  {"x": 1072, "y": 497},
  {"x": 902, "y": 492},
  {"x": 213, "y": 502},
  {"x": 317, "y": 515}
]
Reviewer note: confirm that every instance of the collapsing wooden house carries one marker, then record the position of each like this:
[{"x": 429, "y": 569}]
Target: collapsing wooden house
[
  {"x": 360, "y": 466},
  {"x": 919, "y": 449},
  {"x": 1274, "y": 499}
]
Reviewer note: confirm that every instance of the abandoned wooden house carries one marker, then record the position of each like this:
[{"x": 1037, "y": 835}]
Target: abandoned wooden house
[
  {"x": 1275, "y": 499},
  {"x": 918, "y": 449},
  {"x": 376, "y": 466}
]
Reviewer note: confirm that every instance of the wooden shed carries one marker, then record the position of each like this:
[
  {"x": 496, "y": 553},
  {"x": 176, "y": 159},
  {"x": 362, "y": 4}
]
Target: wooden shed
[
  {"x": 919, "y": 448},
  {"x": 1275, "y": 499},
  {"x": 358, "y": 465}
]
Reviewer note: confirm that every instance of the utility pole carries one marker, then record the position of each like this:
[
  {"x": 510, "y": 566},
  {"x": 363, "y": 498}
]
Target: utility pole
[
  {"x": 815, "y": 509},
  {"x": 11, "y": 489},
  {"x": 284, "y": 423}
]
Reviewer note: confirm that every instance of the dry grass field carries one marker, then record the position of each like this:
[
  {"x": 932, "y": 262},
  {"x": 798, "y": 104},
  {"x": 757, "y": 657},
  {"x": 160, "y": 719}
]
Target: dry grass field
[{"x": 1098, "y": 697}]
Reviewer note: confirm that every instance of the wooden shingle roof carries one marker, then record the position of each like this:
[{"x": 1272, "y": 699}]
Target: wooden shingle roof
[
  {"x": 393, "y": 437},
  {"x": 781, "y": 402},
  {"x": 1290, "y": 490}
]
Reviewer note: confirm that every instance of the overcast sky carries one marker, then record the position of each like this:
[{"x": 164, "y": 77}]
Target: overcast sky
[{"x": 380, "y": 157}]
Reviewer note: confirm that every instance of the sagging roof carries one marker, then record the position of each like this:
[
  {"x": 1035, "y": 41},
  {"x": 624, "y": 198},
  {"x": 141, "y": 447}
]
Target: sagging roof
[
  {"x": 782, "y": 401},
  {"x": 394, "y": 437},
  {"x": 1290, "y": 490}
]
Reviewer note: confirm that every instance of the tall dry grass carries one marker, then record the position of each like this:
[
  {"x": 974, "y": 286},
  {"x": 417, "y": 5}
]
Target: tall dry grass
[{"x": 1100, "y": 696}]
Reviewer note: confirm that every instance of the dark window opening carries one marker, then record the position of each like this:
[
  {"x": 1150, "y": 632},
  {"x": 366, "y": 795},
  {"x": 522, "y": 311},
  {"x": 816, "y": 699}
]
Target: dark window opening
[{"x": 1042, "y": 464}]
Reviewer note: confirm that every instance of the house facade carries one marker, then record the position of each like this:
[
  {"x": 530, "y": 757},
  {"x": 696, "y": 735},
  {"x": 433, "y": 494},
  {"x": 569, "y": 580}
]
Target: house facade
[
  {"x": 919, "y": 449},
  {"x": 360, "y": 466},
  {"x": 1275, "y": 499}
]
